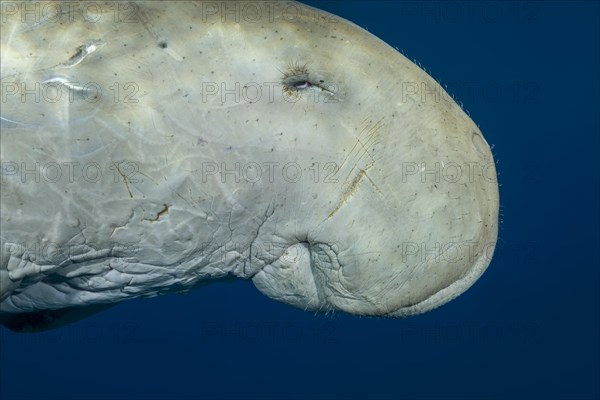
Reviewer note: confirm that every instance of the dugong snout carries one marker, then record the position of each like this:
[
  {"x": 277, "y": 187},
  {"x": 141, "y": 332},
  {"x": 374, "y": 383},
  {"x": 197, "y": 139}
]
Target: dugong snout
[{"x": 403, "y": 235}]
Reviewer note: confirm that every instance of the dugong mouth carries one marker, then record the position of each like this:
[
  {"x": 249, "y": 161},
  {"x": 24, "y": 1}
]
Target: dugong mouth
[{"x": 158, "y": 147}]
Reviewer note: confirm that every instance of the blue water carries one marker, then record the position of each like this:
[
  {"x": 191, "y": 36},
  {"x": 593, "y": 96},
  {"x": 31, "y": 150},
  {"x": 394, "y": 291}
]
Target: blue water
[{"x": 528, "y": 75}]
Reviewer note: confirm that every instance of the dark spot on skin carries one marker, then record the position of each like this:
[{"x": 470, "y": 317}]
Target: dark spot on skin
[{"x": 162, "y": 44}]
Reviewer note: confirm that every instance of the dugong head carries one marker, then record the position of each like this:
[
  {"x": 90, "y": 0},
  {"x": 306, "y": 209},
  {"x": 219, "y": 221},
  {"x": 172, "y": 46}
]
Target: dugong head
[{"x": 151, "y": 147}]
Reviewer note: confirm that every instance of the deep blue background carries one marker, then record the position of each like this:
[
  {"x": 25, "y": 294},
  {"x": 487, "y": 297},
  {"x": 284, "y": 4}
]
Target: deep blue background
[{"x": 528, "y": 75}]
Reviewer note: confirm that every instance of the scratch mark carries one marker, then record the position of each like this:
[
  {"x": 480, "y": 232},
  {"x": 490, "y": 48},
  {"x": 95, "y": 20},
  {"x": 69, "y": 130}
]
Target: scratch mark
[
  {"x": 125, "y": 179},
  {"x": 148, "y": 25},
  {"x": 362, "y": 144},
  {"x": 367, "y": 138},
  {"x": 162, "y": 212},
  {"x": 348, "y": 192},
  {"x": 82, "y": 52},
  {"x": 373, "y": 183}
]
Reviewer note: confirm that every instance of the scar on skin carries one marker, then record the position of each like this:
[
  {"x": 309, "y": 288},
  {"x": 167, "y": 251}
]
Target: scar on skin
[
  {"x": 370, "y": 135},
  {"x": 367, "y": 138},
  {"x": 125, "y": 179},
  {"x": 82, "y": 52},
  {"x": 349, "y": 191},
  {"x": 162, "y": 212}
]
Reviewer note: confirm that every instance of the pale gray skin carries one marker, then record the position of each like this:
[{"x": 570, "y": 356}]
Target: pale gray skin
[{"x": 363, "y": 231}]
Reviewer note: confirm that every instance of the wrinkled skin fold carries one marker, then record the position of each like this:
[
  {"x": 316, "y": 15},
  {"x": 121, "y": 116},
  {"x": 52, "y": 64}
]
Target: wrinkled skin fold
[{"x": 149, "y": 148}]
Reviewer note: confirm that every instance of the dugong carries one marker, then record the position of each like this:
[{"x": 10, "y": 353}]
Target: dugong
[{"x": 153, "y": 147}]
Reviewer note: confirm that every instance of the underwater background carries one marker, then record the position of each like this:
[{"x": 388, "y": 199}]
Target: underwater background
[{"x": 527, "y": 73}]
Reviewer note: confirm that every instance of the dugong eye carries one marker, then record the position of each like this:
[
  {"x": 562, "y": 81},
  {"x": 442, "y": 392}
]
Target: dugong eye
[
  {"x": 302, "y": 84},
  {"x": 297, "y": 78},
  {"x": 294, "y": 84}
]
